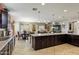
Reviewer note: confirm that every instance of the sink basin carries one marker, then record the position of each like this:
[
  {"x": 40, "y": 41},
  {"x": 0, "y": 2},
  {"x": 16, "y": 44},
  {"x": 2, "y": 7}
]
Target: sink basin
[{"x": 4, "y": 38}]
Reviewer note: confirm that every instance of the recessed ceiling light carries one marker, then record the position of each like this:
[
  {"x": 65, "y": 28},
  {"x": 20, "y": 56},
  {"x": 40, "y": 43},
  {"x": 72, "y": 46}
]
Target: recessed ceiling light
[
  {"x": 42, "y": 3},
  {"x": 65, "y": 10},
  {"x": 63, "y": 23},
  {"x": 59, "y": 16}
]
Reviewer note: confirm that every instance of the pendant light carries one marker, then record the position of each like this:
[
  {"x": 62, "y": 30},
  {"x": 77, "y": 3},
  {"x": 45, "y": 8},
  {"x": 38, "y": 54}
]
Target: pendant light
[{"x": 39, "y": 16}]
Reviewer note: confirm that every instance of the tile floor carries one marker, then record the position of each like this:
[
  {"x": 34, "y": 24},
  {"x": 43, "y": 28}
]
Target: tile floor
[{"x": 22, "y": 47}]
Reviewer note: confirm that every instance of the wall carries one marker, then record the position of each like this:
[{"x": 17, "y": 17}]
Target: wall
[
  {"x": 65, "y": 26},
  {"x": 11, "y": 26},
  {"x": 76, "y": 27},
  {"x": 17, "y": 27},
  {"x": 25, "y": 26},
  {"x": 28, "y": 26}
]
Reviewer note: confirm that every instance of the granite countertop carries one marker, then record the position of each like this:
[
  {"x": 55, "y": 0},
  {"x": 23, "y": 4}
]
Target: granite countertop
[
  {"x": 47, "y": 34},
  {"x": 73, "y": 33}
]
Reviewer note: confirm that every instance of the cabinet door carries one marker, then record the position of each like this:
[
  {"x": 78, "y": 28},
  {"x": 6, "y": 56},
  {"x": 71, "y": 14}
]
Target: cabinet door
[
  {"x": 69, "y": 39},
  {"x": 59, "y": 39},
  {"x": 75, "y": 40},
  {"x": 50, "y": 41},
  {"x": 38, "y": 43},
  {"x": 44, "y": 41},
  {"x": 62, "y": 39}
]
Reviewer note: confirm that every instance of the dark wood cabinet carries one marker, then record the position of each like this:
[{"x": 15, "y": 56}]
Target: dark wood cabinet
[
  {"x": 44, "y": 41},
  {"x": 41, "y": 42},
  {"x": 59, "y": 39},
  {"x": 4, "y": 19},
  {"x": 50, "y": 41},
  {"x": 69, "y": 39},
  {"x": 36, "y": 43},
  {"x": 75, "y": 40}
]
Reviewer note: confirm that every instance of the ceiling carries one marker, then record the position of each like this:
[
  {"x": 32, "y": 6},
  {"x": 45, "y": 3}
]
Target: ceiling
[{"x": 44, "y": 13}]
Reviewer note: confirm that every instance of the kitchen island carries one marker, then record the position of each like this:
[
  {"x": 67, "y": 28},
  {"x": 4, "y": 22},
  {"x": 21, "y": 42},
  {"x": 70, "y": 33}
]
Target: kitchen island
[{"x": 40, "y": 41}]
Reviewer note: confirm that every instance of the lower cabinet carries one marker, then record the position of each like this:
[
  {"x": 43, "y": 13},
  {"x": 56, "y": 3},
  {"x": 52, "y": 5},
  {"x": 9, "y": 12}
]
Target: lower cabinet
[
  {"x": 41, "y": 42},
  {"x": 51, "y": 41},
  {"x": 47, "y": 41},
  {"x": 75, "y": 40},
  {"x": 37, "y": 43},
  {"x": 69, "y": 39},
  {"x": 44, "y": 41},
  {"x": 59, "y": 39}
]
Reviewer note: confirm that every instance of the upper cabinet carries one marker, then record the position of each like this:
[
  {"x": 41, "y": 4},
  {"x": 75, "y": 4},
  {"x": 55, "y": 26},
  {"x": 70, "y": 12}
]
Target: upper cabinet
[{"x": 3, "y": 17}]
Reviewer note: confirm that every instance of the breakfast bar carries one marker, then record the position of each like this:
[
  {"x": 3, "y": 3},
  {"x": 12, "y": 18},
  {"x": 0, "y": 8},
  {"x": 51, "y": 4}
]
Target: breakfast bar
[{"x": 40, "y": 41}]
